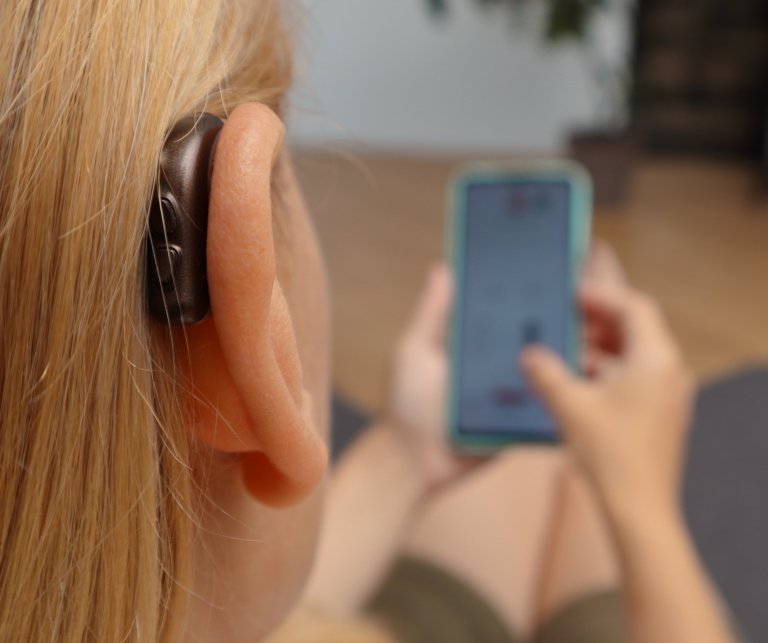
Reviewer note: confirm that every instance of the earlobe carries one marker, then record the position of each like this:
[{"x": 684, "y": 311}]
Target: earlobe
[{"x": 244, "y": 364}]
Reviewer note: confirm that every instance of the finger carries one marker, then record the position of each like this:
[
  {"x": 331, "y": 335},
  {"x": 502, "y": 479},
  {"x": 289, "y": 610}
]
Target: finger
[
  {"x": 603, "y": 268},
  {"x": 650, "y": 338},
  {"x": 590, "y": 361},
  {"x": 552, "y": 380},
  {"x": 601, "y": 331},
  {"x": 631, "y": 320},
  {"x": 430, "y": 321},
  {"x": 598, "y": 364}
]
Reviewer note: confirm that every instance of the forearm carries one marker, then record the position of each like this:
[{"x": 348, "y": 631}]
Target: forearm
[
  {"x": 371, "y": 498},
  {"x": 668, "y": 594}
]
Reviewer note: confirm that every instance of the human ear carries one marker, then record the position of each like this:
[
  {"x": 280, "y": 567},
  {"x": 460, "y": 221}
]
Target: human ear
[{"x": 243, "y": 364}]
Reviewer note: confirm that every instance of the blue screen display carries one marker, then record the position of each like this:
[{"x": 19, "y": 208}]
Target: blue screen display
[{"x": 516, "y": 291}]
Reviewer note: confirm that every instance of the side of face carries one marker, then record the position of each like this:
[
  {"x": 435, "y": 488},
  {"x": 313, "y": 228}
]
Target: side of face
[{"x": 260, "y": 372}]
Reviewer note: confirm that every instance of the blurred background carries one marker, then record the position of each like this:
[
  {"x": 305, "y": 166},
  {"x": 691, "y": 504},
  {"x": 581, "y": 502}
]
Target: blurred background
[{"x": 665, "y": 101}]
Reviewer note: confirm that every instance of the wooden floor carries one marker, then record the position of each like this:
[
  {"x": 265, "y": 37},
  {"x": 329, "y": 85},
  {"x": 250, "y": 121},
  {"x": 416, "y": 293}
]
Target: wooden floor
[{"x": 695, "y": 234}]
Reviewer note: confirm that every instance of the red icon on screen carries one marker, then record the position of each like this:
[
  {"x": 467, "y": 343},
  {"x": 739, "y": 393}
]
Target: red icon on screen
[{"x": 517, "y": 203}]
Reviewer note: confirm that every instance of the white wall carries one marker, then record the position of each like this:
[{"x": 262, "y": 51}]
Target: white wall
[{"x": 384, "y": 74}]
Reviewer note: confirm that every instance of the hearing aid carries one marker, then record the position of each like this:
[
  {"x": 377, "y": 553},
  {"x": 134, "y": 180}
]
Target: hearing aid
[{"x": 177, "y": 285}]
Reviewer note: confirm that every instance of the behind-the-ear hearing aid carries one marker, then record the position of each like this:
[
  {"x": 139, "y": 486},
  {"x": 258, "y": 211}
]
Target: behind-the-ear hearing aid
[{"x": 177, "y": 285}]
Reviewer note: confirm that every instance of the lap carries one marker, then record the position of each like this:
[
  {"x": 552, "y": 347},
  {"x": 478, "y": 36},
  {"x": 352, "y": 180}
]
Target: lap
[{"x": 420, "y": 602}]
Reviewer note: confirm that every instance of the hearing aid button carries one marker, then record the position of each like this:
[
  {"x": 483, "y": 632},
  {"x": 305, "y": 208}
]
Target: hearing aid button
[
  {"x": 163, "y": 222},
  {"x": 167, "y": 260}
]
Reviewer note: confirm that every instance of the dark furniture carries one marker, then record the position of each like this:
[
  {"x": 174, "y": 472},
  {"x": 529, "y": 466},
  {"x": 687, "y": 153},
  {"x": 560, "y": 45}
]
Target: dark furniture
[{"x": 700, "y": 74}]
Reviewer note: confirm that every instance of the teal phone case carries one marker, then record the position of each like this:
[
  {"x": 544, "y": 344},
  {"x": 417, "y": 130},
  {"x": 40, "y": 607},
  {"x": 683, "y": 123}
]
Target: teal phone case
[{"x": 580, "y": 223}]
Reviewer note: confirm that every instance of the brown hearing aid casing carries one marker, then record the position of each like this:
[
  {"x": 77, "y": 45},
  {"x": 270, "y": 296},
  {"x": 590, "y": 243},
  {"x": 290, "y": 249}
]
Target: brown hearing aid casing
[{"x": 177, "y": 286}]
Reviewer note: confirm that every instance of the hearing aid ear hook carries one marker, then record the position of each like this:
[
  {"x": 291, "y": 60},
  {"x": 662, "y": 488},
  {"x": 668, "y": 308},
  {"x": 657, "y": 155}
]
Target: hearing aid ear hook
[{"x": 177, "y": 285}]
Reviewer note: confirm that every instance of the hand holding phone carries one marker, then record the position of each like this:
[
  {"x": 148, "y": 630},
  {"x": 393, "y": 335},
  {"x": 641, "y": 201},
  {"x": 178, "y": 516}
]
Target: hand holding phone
[
  {"x": 417, "y": 393},
  {"x": 519, "y": 234}
]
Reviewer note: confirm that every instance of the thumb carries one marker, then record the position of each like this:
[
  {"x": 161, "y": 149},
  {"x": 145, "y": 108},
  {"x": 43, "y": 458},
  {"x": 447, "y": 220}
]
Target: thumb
[
  {"x": 429, "y": 322},
  {"x": 552, "y": 380}
]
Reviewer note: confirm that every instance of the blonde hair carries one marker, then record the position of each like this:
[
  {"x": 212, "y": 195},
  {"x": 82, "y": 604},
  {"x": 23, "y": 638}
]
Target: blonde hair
[{"x": 96, "y": 481}]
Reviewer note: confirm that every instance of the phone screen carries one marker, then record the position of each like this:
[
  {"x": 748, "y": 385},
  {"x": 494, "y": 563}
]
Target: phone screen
[{"x": 515, "y": 291}]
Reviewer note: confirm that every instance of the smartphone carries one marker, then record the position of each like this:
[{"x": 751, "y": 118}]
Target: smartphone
[{"x": 517, "y": 238}]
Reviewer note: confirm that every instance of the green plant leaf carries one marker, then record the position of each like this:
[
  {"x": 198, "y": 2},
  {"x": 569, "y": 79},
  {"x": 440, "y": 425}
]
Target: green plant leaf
[
  {"x": 566, "y": 19},
  {"x": 438, "y": 6},
  {"x": 570, "y": 18}
]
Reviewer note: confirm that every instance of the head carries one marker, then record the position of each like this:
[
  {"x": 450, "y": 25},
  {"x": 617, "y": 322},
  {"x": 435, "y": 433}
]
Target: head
[{"x": 158, "y": 483}]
